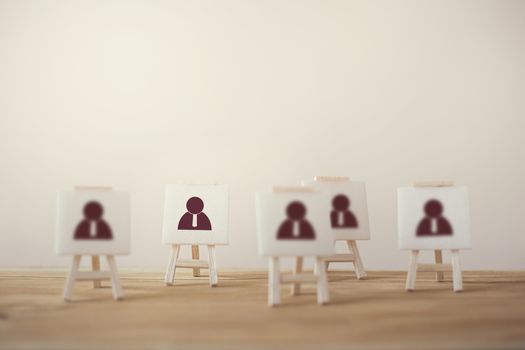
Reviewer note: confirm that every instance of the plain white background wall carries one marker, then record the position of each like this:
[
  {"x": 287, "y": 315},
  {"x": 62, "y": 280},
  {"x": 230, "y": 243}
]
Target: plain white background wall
[{"x": 137, "y": 94}]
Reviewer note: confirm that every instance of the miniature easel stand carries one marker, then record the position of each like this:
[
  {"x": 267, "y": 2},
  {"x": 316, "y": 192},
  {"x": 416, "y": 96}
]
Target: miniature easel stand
[
  {"x": 354, "y": 256},
  {"x": 439, "y": 268},
  {"x": 174, "y": 262},
  {"x": 276, "y": 278},
  {"x": 194, "y": 263},
  {"x": 95, "y": 275}
]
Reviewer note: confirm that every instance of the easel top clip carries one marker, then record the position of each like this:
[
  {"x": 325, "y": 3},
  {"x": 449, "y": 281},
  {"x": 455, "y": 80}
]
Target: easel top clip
[
  {"x": 331, "y": 178},
  {"x": 93, "y": 188},
  {"x": 292, "y": 189},
  {"x": 433, "y": 183}
]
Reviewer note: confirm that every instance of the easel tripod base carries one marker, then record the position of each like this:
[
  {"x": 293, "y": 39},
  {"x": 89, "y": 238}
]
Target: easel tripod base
[{"x": 95, "y": 275}]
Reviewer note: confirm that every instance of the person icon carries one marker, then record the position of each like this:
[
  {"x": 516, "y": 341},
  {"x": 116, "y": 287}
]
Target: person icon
[
  {"x": 433, "y": 223},
  {"x": 93, "y": 226},
  {"x": 194, "y": 218},
  {"x": 341, "y": 216},
  {"x": 296, "y": 226}
]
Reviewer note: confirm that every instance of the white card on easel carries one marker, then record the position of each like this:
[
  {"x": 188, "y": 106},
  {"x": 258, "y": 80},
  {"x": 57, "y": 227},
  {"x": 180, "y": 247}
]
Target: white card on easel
[
  {"x": 293, "y": 224},
  {"x": 93, "y": 223},
  {"x": 196, "y": 214},
  {"x": 348, "y": 208},
  {"x": 433, "y": 218}
]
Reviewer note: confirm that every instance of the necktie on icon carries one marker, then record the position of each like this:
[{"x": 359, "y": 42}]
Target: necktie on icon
[{"x": 92, "y": 229}]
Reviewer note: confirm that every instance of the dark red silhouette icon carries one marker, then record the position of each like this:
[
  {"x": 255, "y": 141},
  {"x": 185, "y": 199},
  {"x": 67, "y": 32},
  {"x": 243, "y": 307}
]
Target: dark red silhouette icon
[
  {"x": 93, "y": 226},
  {"x": 194, "y": 219},
  {"x": 341, "y": 216},
  {"x": 296, "y": 226},
  {"x": 433, "y": 223}
]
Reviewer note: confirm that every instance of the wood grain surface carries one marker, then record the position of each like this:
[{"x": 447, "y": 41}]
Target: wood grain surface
[{"x": 376, "y": 313}]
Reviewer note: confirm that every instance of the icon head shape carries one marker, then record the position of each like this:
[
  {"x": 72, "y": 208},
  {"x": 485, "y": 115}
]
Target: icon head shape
[
  {"x": 433, "y": 208},
  {"x": 433, "y": 223},
  {"x": 93, "y": 226},
  {"x": 194, "y": 218},
  {"x": 296, "y": 225},
  {"x": 195, "y": 205},
  {"x": 296, "y": 211},
  {"x": 340, "y": 202},
  {"x": 93, "y": 210}
]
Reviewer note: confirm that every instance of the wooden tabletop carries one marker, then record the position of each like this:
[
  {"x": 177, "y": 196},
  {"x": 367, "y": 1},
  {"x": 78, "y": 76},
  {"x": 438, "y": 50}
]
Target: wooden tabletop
[{"x": 375, "y": 313}]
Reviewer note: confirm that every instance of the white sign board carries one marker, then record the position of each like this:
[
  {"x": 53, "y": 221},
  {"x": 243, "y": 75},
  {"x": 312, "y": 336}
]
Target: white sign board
[
  {"x": 93, "y": 223},
  {"x": 196, "y": 214},
  {"x": 293, "y": 224},
  {"x": 433, "y": 218},
  {"x": 348, "y": 208}
]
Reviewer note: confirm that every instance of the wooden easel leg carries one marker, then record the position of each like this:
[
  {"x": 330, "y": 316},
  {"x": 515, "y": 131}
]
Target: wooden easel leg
[
  {"x": 195, "y": 256},
  {"x": 325, "y": 265},
  {"x": 439, "y": 260},
  {"x": 322, "y": 282},
  {"x": 170, "y": 271},
  {"x": 115, "y": 279},
  {"x": 274, "y": 283},
  {"x": 457, "y": 279},
  {"x": 412, "y": 271},
  {"x": 298, "y": 268},
  {"x": 358, "y": 263},
  {"x": 212, "y": 266},
  {"x": 95, "y": 266},
  {"x": 171, "y": 260},
  {"x": 72, "y": 277}
]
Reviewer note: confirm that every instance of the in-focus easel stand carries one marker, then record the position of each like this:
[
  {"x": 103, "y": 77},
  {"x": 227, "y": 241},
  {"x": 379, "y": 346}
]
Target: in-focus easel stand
[
  {"x": 276, "y": 278},
  {"x": 439, "y": 268},
  {"x": 174, "y": 262},
  {"x": 96, "y": 275}
]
